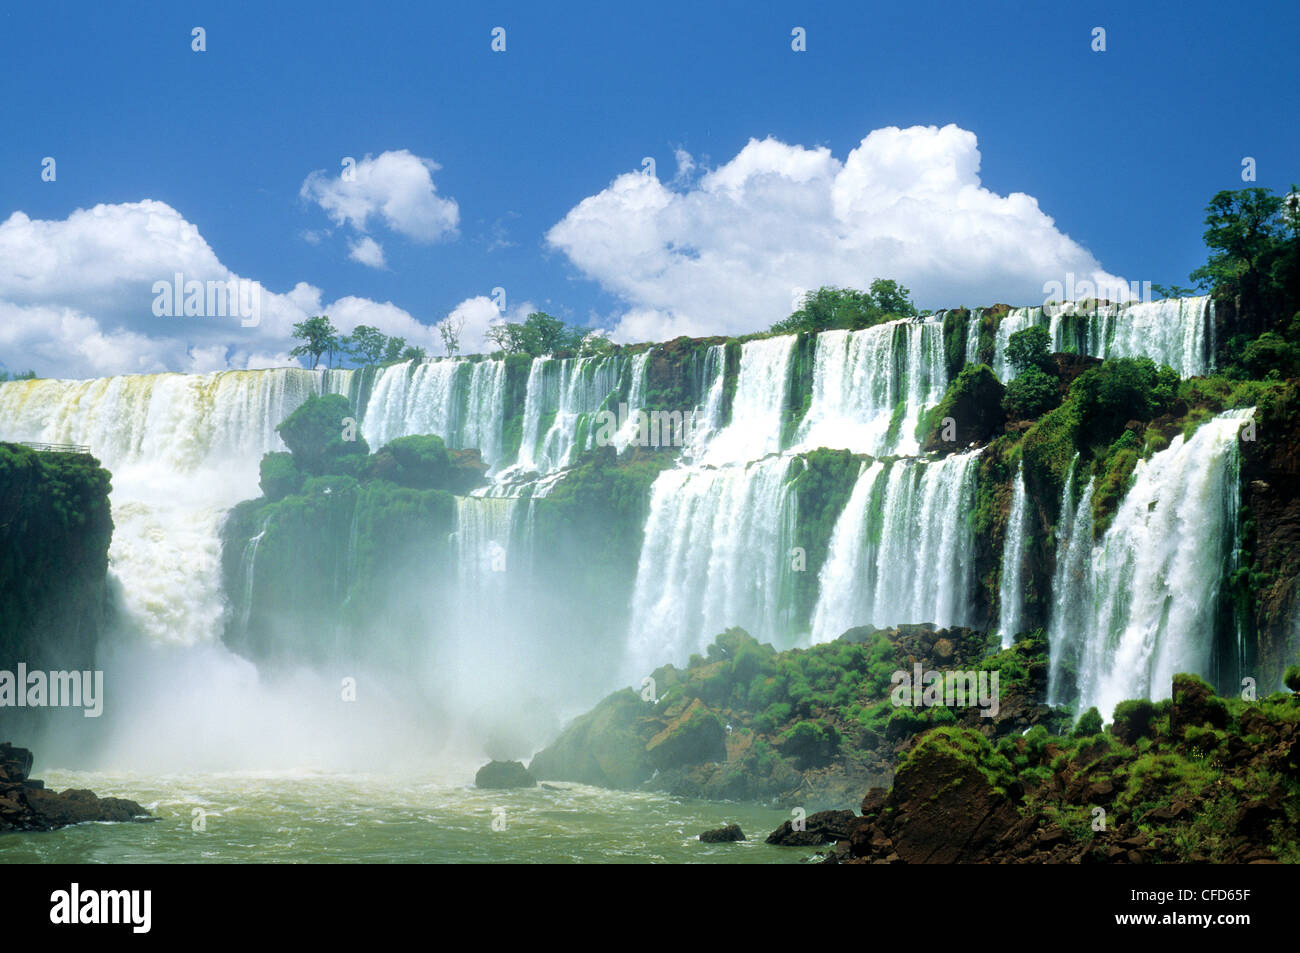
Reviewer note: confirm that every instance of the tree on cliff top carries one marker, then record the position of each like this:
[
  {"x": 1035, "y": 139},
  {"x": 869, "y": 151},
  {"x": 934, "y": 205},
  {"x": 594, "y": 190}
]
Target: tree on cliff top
[
  {"x": 830, "y": 308},
  {"x": 319, "y": 336}
]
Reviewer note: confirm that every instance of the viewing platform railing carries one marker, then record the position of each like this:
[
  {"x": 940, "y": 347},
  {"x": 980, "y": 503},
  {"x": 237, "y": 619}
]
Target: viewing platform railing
[{"x": 55, "y": 447}]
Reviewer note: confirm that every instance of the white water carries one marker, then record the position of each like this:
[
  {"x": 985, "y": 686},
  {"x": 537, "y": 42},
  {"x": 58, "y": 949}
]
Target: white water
[
  {"x": 1143, "y": 605},
  {"x": 1011, "y": 594},
  {"x": 716, "y": 554},
  {"x": 563, "y": 394},
  {"x": 755, "y": 427},
  {"x": 902, "y": 550},
  {"x": 863, "y": 379},
  {"x": 182, "y": 449},
  {"x": 461, "y": 401},
  {"x": 1178, "y": 332},
  {"x": 973, "y": 335}
]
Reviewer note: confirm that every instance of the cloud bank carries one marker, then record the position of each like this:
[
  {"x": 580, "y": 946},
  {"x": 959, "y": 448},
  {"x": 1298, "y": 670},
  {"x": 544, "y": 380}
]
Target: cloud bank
[{"x": 728, "y": 253}]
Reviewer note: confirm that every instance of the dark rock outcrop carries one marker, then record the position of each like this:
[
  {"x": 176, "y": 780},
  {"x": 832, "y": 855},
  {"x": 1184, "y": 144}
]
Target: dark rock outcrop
[
  {"x": 722, "y": 835},
  {"x": 55, "y": 529},
  {"x": 824, "y": 827},
  {"x": 25, "y": 804},
  {"x": 504, "y": 774}
]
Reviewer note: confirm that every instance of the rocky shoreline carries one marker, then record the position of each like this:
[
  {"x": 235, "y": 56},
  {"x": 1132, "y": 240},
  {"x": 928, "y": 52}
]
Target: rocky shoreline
[{"x": 26, "y": 804}]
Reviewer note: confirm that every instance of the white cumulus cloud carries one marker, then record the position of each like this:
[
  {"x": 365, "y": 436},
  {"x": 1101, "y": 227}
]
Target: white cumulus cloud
[
  {"x": 395, "y": 187},
  {"x": 367, "y": 251},
  {"x": 77, "y": 299},
  {"x": 727, "y": 253}
]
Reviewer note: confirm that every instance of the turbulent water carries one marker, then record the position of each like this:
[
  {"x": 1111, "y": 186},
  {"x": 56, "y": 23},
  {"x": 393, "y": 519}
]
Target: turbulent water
[
  {"x": 720, "y": 539},
  {"x": 869, "y": 387},
  {"x": 278, "y": 817}
]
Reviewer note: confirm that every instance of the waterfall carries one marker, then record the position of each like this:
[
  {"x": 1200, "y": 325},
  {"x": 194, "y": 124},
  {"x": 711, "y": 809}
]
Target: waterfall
[
  {"x": 973, "y": 336},
  {"x": 1178, "y": 332},
  {"x": 1011, "y": 594},
  {"x": 712, "y": 385},
  {"x": 1145, "y": 603},
  {"x": 562, "y": 397},
  {"x": 183, "y": 449},
  {"x": 715, "y": 555},
  {"x": 248, "y": 566},
  {"x": 902, "y": 551},
  {"x": 870, "y": 387},
  {"x": 757, "y": 411},
  {"x": 1073, "y": 550},
  {"x": 461, "y": 401},
  {"x": 628, "y": 432}
]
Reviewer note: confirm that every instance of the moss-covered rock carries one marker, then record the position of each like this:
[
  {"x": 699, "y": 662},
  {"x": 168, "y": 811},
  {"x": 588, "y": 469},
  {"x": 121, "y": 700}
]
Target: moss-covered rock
[
  {"x": 604, "y": 747},
  {"x": 970, "y": 412},
  {"x": 693, "y": 737}
]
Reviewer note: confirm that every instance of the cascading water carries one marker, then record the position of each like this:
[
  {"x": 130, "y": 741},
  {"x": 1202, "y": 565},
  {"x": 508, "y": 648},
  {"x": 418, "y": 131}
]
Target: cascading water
[
  {"x": 973, "y": 336},
  {"x": 902, "y": 550},
  {"x": 756, "y": 414},
  {"x": 1145, "y": 604},
  {"x": 716, "y": 554},
  {"x": 461, "y": 401},
  {"x": 1011, "y": 589},
  {"x": 1178, "y": 332},
  {"x": 869, "y": 387},
  {"x": 183, "y": 449},
  {"x": 562, "y": 396}
]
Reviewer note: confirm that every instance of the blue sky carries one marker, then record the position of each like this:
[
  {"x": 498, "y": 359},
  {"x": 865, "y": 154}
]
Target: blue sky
[{"x": 1120, "y": 149}]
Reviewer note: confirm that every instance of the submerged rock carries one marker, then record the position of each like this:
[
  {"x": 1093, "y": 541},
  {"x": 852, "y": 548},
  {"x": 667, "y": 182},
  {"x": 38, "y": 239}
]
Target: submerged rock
[
  {"x": 25, "y": 805},
  {"x": 504, "y": 774},
  {"x": 722, "y": 835}
]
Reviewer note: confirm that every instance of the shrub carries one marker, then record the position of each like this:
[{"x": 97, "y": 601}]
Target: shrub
[
  {"x": 1089, "y": 724},
  {"x": 1031, "y": 394},
  {"x": 279, "y": 476},
  {"x": 1132, "y": 720}
]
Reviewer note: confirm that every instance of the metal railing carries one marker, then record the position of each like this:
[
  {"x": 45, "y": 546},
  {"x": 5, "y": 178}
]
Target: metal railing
[{"x": 55, "y": 447}]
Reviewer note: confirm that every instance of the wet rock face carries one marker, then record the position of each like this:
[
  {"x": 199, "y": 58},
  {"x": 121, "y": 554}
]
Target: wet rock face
[
  {"x": 1271, "y": 477},
  {"x": 25, "y": 805},
  {"x": 504, "y": 774}
]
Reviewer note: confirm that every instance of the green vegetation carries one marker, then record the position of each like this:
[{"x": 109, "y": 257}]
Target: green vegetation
[
  {"x": 322, "y": 436},
  {"x": 54, "y": 536},
  {"x": 365, "y": 346},
  {"x": 830, "y": 308},
  {"x": 16, "y": 376},
  {"x": 539, "y": 335},
  {"x": 973, "y": 402}
]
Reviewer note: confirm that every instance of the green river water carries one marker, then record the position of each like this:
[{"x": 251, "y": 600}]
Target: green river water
[{"x": 361, "y": 818}]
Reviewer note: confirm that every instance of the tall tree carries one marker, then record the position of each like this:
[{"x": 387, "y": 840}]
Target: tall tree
[
  {"x": 318, "y": 335},
  {"x": 449, "y": 329},
  {"x": 393, "y": 350},
  {"x": 366, "y": 345}
]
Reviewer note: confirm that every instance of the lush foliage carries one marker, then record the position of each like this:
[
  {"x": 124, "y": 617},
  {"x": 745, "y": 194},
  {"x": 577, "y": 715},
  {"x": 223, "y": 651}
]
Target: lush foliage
[
  {"x": 540, "y": 334},
  {"x": 322, "y": 436},
  {"x": 830, "y": 308}
]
